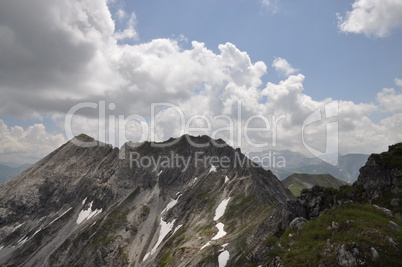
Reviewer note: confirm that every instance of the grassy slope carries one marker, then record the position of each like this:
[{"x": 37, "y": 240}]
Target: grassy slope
[
  {"x": 358, "y": 225},
  {"x": 392, "y": 158},
  {"x": 298, "y": 181}
]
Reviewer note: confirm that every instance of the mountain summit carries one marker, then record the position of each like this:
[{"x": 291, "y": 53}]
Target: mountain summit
[{"x": 186, "y": 201}]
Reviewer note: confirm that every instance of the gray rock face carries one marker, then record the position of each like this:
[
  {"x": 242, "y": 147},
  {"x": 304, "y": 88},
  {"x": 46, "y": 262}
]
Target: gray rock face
[
  {"x": 297, "y": 223},
  {"x": 385, "y": 210},
  {"x": 393, "y": 225},
  {"x": 382, "y": 171},
  {"x": 313, "y": 201},
  {"x": 88, "y": 206},
  {"x": 374, "y": 254},
  {"x": 346, "y": 258}
]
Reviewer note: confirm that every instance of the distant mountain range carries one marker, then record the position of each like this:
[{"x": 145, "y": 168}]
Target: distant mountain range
[
  {"x": 299, "y": 181},
  {"x": 7, "y": 172},
  {"x": 285, "y": 163}
]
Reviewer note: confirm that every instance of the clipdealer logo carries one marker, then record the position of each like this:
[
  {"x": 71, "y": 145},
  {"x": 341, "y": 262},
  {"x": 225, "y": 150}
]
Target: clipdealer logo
[{"x": 112, "y": 129}]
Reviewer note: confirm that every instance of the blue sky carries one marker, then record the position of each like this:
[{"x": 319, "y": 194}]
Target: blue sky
[
  {"x": 276, "y": 58},
  {"x": 338, "y": 65}
]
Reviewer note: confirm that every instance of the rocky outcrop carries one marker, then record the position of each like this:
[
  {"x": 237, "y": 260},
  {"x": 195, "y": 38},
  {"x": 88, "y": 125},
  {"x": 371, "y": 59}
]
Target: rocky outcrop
[
  {"x": 347, "y": 257},
  {"x": 356, "y": 225},
  {"x": 316, "y": 200},
  {"x": 382, "y": 171},
  {"x": 297, "y": 223}
]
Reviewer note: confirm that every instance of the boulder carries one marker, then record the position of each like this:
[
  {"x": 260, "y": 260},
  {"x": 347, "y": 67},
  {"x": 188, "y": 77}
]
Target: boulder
[{"x": 297, "y": 223}]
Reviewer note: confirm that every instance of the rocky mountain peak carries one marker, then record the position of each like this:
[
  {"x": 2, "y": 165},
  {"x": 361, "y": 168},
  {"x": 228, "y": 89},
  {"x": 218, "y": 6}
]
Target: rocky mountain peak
[{"x": 89, "y": 202}]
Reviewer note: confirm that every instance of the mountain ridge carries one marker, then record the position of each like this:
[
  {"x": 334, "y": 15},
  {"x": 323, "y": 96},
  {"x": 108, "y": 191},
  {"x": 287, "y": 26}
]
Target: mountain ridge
[{"x": 85, "y": 204}]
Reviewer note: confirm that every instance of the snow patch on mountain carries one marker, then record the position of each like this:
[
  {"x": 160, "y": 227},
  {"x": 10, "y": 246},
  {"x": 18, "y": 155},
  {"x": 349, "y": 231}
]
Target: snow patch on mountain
[
  {"x": 206, "y": 245},
  {"x": 220, "y": 210},
  {"x": 60, "y": 215},
  {"x": 223, "y": 258},
  {"x": 213, "y": 169},
  {"x": 22, "y": 240},
  {"x": 87, "y": 214},
  {"x": 172, "y": 203},
  {"x": 18, "y": 226},
  {"x": 221, "y": 233},
  {"x": 165, "y": 229},
  {"x": 177, "y": 228}
]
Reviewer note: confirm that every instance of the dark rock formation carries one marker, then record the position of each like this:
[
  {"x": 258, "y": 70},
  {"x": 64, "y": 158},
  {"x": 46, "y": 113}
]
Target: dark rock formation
[
  {"x": 382, "y": 171},
  {"x": 316, "y": 200}
]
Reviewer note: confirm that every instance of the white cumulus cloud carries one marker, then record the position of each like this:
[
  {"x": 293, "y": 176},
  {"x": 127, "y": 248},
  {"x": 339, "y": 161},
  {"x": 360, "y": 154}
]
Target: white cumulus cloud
[
  {"x": 390, "y": 99},
  {"x": 372, "y": 17},
  {"x": 271, "y": 5},
  {"x": 68, "y": 52},
  {"x": 282, "y": 66},
  {"x": 130, "y": 32},
  {"x": 398, "y": 82},
  {"x": 19, "y": 145}
]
